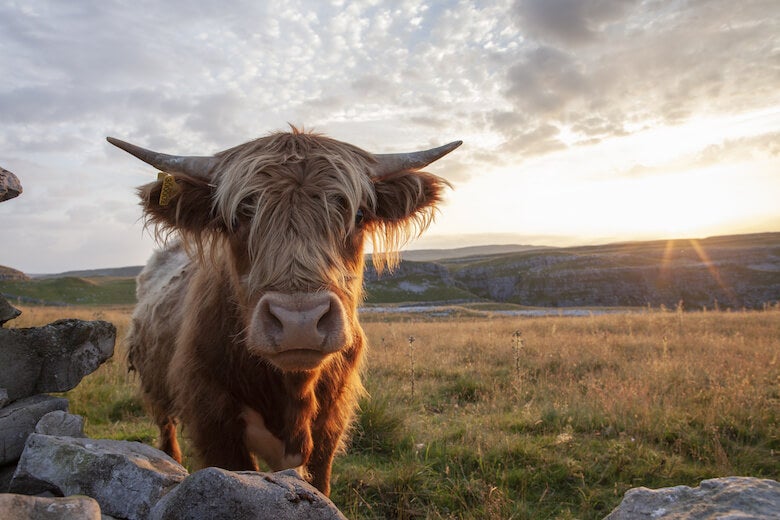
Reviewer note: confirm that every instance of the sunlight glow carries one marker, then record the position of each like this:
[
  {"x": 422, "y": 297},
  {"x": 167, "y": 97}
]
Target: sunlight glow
[{"x": 663, "y": 183}]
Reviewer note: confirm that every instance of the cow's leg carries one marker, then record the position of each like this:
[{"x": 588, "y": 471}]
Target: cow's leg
[
  {"x": 337, "y": 392},
  {"x": 321, "y": 460},
  {"x": 166, "y": 422},
  {"x": 168, "y": 441},
  {"x": 327, "y": 432}
]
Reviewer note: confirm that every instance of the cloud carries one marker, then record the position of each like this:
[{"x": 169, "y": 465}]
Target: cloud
[
  {"x": 599, "y": 69},
  {"x": 515, "y": 79},
  {"x": 570, "y": 22},
  {"x": 732, "y": 153}
]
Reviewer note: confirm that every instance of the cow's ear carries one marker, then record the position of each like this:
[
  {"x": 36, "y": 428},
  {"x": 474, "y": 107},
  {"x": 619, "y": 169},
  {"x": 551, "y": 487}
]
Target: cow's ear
[
  {"x": 403, "y": 195},
  {"x": 405, "y": 205},
  {"x": 179, "y": 203}
]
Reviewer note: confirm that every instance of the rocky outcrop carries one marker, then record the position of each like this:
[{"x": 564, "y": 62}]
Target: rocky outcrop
[
  {"x": 10, "y": 186},
  {"x": 741, "y": 271},
  {"x": 737, "y": 271},
  {"x": 217, "y": 494},
  {"x": 7, "y": 312},
  {"x": 53, "y": 358},
  {"x": 10, "y": 274},
  {"x": 743, "y": 498}
]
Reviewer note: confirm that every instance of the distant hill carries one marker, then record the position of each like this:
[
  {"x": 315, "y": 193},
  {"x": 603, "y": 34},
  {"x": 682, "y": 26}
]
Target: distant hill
[
  {"x": 432, "y": 255},
  {"x": 727, "y": 271},
  {"x": 116, "y": 272},
  {"x": 70, "y": 290},
  {"x": 8, "y": 273}
]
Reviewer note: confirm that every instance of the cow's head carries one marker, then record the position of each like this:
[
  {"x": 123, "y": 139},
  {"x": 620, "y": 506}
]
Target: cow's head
[{"x": 287, "y": 215}]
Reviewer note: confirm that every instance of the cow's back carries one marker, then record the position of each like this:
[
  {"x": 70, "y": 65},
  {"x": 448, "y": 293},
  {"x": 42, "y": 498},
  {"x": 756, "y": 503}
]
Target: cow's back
[{"x": 151, "y": 339}]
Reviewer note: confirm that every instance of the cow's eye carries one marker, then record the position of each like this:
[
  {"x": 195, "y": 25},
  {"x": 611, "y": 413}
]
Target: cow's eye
[{"x": 359, "y": 217}]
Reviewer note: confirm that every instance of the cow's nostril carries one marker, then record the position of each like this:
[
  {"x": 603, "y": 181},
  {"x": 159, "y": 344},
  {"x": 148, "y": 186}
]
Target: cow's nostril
[
  {"x": 271, "y": 322},
  {"x": 325, "y": 322}
]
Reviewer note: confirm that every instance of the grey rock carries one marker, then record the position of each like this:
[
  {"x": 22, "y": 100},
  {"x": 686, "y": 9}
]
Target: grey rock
[
  {"x": 7, "y": 311},
  {"x": 733, "y": 498},
  {"x": 53, "y": 358},
  {"x": 23, "y": 507},
  {"x": 126, "y": 478},
  {"x": 10, "y": 186},
  {"x": 18, "y": 420},
  {"x": 217, "y": 494},
  {"x": 4, "y": 400},
  {"x": 61, "y": 423}
]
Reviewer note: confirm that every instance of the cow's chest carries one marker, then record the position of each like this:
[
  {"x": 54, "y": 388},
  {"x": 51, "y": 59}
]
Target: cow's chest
[{"x": 265, "y": 445}]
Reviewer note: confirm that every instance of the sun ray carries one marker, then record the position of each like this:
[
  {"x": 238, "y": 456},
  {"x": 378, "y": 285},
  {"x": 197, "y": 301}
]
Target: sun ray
[
  {"x": 667, "y": 259},
  {"x": 712, "y": 268}
]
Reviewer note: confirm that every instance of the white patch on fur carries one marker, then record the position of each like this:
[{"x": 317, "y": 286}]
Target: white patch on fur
[
  {"x": 162, "y": 272},
  {"x": 263, "y": 444}
]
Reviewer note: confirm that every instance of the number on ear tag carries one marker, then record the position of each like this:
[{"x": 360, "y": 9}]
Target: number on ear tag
[{"x": 169, "y": 188}]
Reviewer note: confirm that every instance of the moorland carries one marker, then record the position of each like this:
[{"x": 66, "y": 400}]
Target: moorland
[{"x": 493, "y": 416}]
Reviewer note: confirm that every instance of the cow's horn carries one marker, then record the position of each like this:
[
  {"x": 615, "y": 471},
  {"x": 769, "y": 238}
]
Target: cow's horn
[
  {"x": 388, "y": 163},
  {"x": 192, "y": 165}
]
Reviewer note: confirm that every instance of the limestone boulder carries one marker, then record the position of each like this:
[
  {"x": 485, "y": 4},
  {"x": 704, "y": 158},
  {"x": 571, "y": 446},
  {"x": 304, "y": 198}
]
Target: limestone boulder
[
  {"x": 61, "y": 423},
  {"x": 7, "y": 311},
  {"x": 218, "y": 494},
  {"x": 10, "y": 186},
  {"x": 23, "y": 507},
  {"x": 743, "y": 498},
  {"x": 52, "y": 358},
  {"x": 126, "y": 478},
  {"x": 18, "y": 420}
]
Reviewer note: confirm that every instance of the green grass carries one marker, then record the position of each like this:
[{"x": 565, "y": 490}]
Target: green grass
[
  {"x": 71, "y": 290},
  {"x": 596, "y": 405}
]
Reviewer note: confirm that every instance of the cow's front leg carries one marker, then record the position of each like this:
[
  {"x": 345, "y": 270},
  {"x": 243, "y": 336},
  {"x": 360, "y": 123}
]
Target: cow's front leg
[
  {"x": 328, "y": 431},
  {"x": 321, "y": 459}
]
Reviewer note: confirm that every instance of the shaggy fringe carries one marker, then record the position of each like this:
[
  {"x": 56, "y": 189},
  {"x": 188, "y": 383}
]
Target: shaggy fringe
[
  {"x": 304, "y": 176},
  {"x": 388, "y": 238}
]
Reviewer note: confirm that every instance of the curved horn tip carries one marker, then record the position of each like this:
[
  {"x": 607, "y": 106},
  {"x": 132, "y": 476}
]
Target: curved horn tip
[
  {"x": 124, "y": 145},
  {"x": 447, "y": 148}
]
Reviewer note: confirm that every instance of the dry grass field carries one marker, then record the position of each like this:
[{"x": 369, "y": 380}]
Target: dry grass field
[{"x": 532, "y": 418}]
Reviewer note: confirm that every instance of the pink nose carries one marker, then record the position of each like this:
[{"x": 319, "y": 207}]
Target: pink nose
[{"x": 299, "y": 321}]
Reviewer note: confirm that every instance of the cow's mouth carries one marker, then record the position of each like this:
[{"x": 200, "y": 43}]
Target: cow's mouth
[{"x": 298, "y": 359}]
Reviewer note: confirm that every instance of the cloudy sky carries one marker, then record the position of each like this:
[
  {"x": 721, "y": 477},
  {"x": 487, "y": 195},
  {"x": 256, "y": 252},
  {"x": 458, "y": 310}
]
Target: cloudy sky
[{"x": 583, "y": 121}]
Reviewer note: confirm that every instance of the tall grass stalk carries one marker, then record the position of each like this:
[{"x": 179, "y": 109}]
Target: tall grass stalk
[{"x": 411, "y": 364}]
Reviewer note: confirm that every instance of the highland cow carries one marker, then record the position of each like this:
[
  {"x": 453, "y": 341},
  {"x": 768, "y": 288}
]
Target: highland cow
[{"x": 246, "y": 327}]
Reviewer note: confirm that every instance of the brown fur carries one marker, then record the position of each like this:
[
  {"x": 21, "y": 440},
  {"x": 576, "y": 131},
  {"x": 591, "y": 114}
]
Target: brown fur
[{"x": 279, "y": 215}]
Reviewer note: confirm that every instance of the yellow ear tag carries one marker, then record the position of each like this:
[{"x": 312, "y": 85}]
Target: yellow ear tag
[{"x": 169, "y": 187}]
